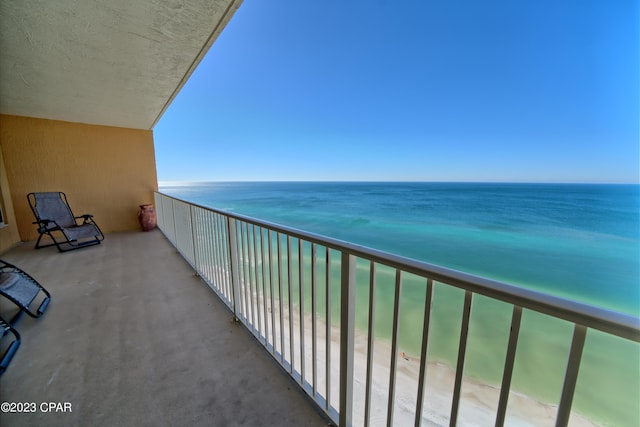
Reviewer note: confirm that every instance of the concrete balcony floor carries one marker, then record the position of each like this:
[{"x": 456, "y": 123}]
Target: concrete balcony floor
[{"x": 132, "y": 337}]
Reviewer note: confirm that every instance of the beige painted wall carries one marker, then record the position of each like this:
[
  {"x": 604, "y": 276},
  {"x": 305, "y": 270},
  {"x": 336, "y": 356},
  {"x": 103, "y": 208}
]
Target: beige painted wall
[
  {"x": 9, "y": 230},
  {"x": 105, "y": 171}
]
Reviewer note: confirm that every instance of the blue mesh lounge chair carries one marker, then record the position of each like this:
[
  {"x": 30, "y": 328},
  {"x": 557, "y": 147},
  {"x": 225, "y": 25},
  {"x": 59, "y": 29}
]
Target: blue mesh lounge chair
[
  {"x": 55, "y": 219},
  {"x": 9, "y": 345},
  {"x": 23, "y": 290}
]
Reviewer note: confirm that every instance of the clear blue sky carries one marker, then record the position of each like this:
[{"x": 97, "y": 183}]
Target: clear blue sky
[{"x": 439, "y": 90}]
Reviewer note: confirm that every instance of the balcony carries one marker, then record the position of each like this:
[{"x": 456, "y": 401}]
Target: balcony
[{"x": 133, "y": 337}]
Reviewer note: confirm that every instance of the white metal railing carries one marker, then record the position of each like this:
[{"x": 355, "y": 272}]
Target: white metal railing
[{"x": 296, "y": 292}]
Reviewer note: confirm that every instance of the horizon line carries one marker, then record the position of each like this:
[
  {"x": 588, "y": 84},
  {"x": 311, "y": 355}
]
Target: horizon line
[{"x": 186, "y": 182}]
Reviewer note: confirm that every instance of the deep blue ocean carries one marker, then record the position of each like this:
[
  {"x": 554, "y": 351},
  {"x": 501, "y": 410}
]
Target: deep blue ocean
[
  {"x": 577, "y": 241},
  {"x": 580, "y": 241}
]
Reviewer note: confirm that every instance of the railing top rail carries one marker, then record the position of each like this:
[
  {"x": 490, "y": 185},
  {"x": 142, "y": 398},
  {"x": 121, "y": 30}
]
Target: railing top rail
[{"x": 608, "y": 321}]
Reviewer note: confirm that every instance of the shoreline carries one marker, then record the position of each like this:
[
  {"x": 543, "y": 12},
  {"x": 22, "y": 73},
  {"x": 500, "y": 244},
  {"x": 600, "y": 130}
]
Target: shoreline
[{"x": 478, "y": 400}]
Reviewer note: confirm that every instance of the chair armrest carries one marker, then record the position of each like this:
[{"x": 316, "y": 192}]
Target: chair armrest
[
  {"x": 46, "y": 225},
  {"x": 42, "y": 221},
  {"x": 87, "y": 218}
]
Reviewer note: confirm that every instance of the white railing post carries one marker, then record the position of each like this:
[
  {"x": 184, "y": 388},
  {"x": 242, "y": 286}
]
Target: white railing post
[
  {"x": 394, "y": 347},
  {"x": 174, "y": 226},
  {"x": 347, "y": 332},
  {"x": 571, "y": 375},
  {"x": 507, "y": 372},
  {"x": 157, "y": 199},
  {"x": 462, "y": 350},
  {"x": 233, "y": 258},
  {"x": 194, "y": 237}
]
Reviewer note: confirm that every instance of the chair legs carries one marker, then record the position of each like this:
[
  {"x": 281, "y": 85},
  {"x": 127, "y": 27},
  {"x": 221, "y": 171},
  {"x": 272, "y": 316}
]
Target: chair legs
[
  {"x": 67, "y": 245},
  {"x": 19, "y": 287},
  {"x": 22, "y": 289},
  {"x": 9, "y": 346}
]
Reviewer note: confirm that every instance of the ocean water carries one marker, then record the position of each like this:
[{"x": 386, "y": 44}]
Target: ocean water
[{"x": 578, "y": 241}]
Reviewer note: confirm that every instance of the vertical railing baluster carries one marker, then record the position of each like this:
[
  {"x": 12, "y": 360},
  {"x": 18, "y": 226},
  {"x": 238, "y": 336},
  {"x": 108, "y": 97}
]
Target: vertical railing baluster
[
  {"x": 214, "y": 250},
  {"x": 571, "y": 375},
  {"x": 507, "y": 373},
  {"x": 462, "y": 349},
  {"x": 253, "y": 265},
  {"x": 217, "y": 249},
  {"x": 290, "y": 301},
  {"x": 233, "y": 260},
  {"x": 175, "y": 230},
  {"x": 165, "y": 216},
  {"x": 314, "y": 331},
  {"x": 157, "y": 202},
  {"x": 202, "y": 243},
  {"x": 207, "y": 253},
  {"x": 240, "y": 249},
  {"x": 328, "y": 328},
  {"x": 173, "y": 224},
  {"x": 190, "y": 230},
  {"x": 279, "y": 246},
  {"x": 245, "y": 274},
  {"x": 271, "y": 290},
  {"x": 347, "y": 335},
  {"x": 394, "y": 347},
  {"x": 225, "y": 256},
  {"x": 251, "y": 283},
  {"x": 264, "y": 288},
  {"x": 301, "y": 295},
  {"x": 195, "y": 239},
  {"x": 370, "y": 342},
  {"x": 231, "y": 283},
  {"x": 162, "y": 221},
  {"x": 245, "y": 279},
  {"x": 219, "y": 260},
  {"x": 196, "y": 264},
  {"x": 423, "y": 351},
  {"x": 203, "y": 240},
  {"x": 257, "y": 280}
]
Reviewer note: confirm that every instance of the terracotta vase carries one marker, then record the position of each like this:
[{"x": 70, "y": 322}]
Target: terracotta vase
[{"x": 147, "y": 217}]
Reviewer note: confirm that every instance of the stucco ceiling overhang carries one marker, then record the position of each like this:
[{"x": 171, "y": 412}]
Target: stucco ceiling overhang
[{"x": 107, "y": 62}]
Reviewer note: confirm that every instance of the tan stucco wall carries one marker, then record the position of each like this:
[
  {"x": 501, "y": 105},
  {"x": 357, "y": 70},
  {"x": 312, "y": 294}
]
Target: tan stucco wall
[
  {"x": 105, "y": 171},
  {"x": 9, "y": 231}
]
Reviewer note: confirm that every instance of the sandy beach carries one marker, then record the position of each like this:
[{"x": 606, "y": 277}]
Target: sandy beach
[{"x": 478, "y": 402}]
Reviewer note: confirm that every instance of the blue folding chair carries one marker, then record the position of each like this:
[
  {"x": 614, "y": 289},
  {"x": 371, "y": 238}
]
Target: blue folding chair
[
  {"x": 56, "y": 220},
  {"x": 23, "y": 290},
  {"x": 9, "y": 345}
]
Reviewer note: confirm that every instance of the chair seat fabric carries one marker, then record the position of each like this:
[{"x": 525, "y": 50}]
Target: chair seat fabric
[
  {"x": 83, "y": 231},
  {"x": 20, "y": 288}
]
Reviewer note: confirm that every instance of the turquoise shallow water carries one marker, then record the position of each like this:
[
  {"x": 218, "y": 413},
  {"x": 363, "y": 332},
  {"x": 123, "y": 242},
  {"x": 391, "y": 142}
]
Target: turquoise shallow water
[{"x": 577, "y": 241}]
